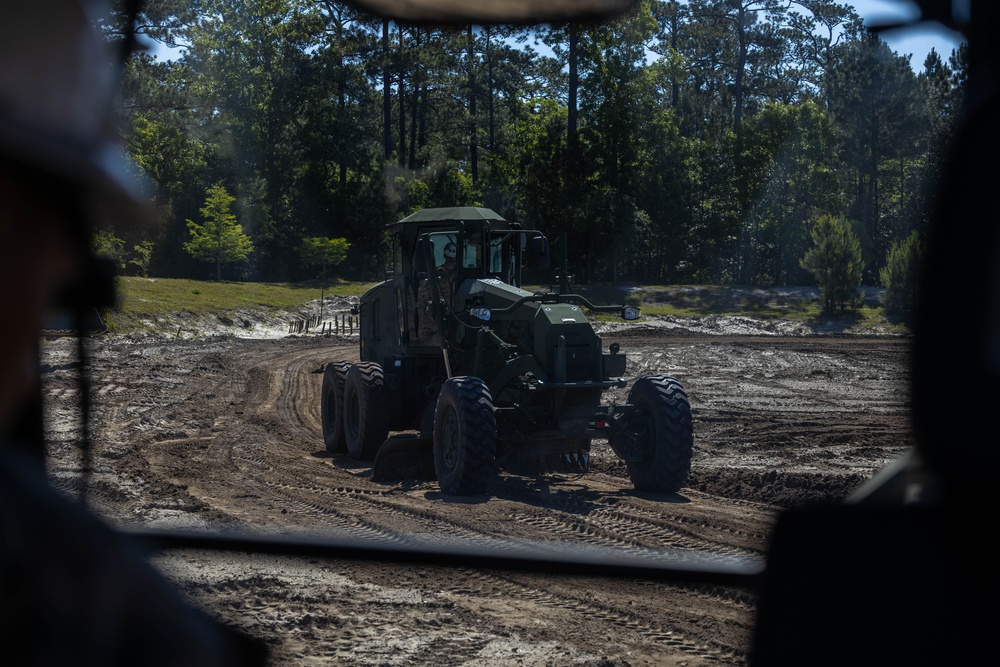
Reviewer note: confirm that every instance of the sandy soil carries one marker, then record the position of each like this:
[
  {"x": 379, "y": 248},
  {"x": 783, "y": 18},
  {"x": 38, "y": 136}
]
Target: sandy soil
[{"x": 223, "y": 432}]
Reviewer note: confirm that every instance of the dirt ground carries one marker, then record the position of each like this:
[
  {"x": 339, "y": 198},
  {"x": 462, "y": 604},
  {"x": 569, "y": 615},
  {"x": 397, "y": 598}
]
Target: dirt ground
[{"x": 223, "y": 433}]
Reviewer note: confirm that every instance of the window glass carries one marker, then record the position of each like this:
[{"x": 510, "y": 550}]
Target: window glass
[{"x": 472, "y": 253}]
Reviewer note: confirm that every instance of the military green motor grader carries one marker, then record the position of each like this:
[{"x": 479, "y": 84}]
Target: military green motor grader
[{"x": 486, "y": 375}]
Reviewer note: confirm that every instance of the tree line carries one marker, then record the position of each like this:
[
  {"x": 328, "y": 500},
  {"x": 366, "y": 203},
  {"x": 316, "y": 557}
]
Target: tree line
[{"x": 696, "y": 141}]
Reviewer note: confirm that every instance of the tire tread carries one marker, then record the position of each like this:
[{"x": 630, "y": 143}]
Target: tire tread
[
  {"x": 666, "y": 469},
  {"x": 476, "y": 467}
]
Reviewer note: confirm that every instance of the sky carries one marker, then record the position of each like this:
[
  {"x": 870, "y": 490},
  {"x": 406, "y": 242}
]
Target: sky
[{"x": 916, "y": 42}]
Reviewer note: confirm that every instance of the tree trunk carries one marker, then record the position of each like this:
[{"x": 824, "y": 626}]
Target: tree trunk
[
  {"x": 341, "y": 110},
  {"x": 473, "y": 142},
  {"x": 402, "y": 105},
  {"x": 574, "y": 83},
  {"x": 414, "y": 103},
  {"x": 741, "y": 64},
  {"x": 386, "y": 92},
  {"x": 422, "y": 114},
  {"x": 675, "y": 86},
  {"x": 489, "y": 88}
]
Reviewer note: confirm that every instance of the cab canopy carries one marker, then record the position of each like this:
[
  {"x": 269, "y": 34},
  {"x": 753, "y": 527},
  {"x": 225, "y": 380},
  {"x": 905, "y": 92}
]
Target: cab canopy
[{"x": 451, "y": 213}]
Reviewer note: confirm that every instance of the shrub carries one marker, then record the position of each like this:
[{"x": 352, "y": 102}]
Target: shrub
[{"x": 899, "y": 278}]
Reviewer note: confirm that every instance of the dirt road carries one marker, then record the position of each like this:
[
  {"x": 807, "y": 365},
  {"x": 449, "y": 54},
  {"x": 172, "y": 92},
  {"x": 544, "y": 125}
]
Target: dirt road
[{"x": 224, "y": 433}]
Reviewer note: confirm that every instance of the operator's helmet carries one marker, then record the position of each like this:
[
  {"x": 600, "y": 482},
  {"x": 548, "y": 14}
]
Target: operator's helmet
[
  {"x": 450, "y": 250},
  {"x": 58, "y": 80}
]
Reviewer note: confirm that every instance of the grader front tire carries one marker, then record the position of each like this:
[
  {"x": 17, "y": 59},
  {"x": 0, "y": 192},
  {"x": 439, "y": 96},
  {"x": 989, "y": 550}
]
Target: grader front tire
[
  {"x": 465, "y": 431},
  {"x": 665, "y": 465}
]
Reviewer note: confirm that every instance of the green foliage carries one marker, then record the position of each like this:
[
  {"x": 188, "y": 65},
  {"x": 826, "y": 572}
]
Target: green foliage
[
  {"x": 166, "y": 152},
  {"x": 883, "y": 115},
  {"x": 682, "y": 141},
  {"x": 106, "y": 244},
  {"x": 319, "y": 251},
  {"x": 143, "y": 257},
  {"x": 787, "y": 159},
  {"x": 417, "y": 196},
  {"x": 835, "y": 261},
  {"x": 220, "y": 239},
  {"x": 900, "y": 278}
]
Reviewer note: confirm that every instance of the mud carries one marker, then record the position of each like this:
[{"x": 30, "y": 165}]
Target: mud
[{"x": 223, "y": 433}]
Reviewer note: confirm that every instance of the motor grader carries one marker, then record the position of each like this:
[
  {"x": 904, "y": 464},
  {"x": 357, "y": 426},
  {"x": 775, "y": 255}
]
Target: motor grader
[{"x": 486, "y": 375}]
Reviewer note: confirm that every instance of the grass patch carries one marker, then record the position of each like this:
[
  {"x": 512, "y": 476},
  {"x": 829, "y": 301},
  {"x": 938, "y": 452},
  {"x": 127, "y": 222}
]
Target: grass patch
[
  {"x": 143, "y": 299},
  {"x": 873, "y": 320},
  {"x": 702, "y": 300},
  {"x": 794, "y": 303},
  {"x": 690, "y": 301}
]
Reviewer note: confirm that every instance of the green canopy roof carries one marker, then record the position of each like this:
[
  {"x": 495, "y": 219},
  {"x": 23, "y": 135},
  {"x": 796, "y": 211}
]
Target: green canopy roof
[{"x": 452, "y": 213}]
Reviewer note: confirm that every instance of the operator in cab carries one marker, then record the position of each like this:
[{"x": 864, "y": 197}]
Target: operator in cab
[{"x": 443, "y": 276}]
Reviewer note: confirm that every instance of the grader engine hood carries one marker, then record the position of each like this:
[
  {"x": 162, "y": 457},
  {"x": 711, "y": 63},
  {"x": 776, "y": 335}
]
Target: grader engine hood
[{"x": 491, "y": 293}]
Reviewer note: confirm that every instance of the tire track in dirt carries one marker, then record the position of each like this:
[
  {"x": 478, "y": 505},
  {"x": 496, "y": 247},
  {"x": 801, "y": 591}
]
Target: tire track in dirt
[
  {"x": 582, "y": 612},
  {"x": 631, "y": 534},
  {"x": 315, "y": 613},
  {"x": 299, "y": 402},
  {"x": 423, "y": 526},
  {"x": 620, "y": 531}
]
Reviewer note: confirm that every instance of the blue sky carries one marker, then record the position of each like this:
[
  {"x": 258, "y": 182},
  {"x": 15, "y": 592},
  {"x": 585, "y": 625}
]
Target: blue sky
[{"x": 916, "y": 42}]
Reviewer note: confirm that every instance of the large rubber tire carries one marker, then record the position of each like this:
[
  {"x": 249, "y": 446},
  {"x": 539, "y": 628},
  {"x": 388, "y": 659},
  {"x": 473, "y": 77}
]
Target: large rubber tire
[
  {"x": 465, "y": 431},
  {"x": 365, "y": 426},
  {"x": 667, "y": 462},
  {"x": 332, "y": 407}
]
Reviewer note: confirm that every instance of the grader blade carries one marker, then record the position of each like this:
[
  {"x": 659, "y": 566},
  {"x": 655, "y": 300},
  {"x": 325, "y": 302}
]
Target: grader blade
[{"x": 404, "y": 458}]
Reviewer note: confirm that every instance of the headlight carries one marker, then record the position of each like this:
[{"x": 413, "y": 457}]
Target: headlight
[{"x": 481, "y": 312}]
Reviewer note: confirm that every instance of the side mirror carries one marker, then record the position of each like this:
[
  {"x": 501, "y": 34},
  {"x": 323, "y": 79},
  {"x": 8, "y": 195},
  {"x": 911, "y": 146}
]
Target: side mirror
[
  {"x": 630, "y": 313},
  {"x": 539, "y": 255}
]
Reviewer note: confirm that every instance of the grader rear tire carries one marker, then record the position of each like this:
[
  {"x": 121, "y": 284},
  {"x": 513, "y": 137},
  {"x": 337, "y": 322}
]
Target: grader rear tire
[
  {"x": 332, "y": 406},
  {"x": 365, "y": 426}
]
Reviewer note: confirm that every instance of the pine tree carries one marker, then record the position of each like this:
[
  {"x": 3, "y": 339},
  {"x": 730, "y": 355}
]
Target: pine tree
[
  {"x": 221, "y": 238},
  {"x": 835, "y": 261}
]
